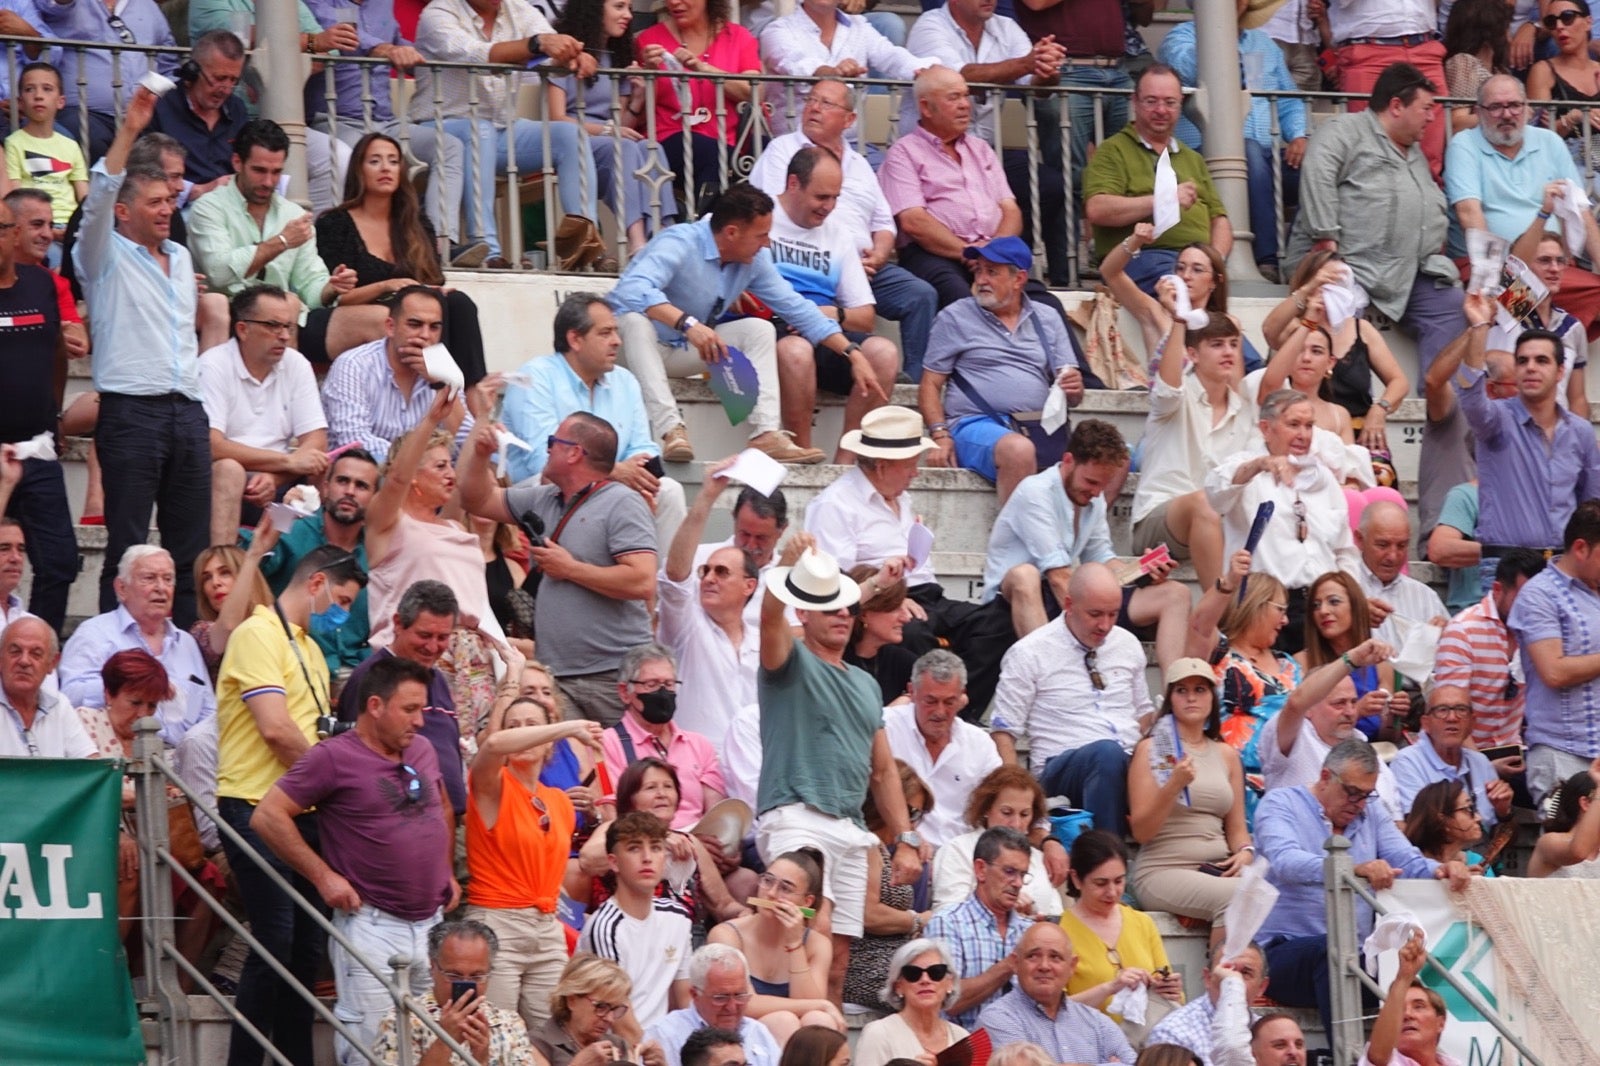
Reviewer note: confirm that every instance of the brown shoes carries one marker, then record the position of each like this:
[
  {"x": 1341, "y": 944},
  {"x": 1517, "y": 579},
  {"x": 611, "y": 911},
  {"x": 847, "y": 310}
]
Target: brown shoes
[
  {"x": 675, "y": 446},
  {"x": 577, "y": 243},
  {"x": 779, "y": 443}
]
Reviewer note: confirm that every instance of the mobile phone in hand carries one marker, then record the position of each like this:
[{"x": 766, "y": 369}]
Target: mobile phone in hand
[{"x": 458, "y": 989}]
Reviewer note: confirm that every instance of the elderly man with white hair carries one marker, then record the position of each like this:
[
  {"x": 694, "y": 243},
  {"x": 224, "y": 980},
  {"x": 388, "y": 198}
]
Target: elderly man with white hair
[
  {"x": 145, "y": 583},
  {"x": 719, "y": 992}
]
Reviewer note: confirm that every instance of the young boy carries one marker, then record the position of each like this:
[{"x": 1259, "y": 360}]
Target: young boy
[
  {"x": 645, "y": 935},
  {"x": 38, "y": 156}
]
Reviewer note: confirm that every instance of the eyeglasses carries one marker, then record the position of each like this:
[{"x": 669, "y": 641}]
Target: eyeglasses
[
  {"x": 1113, "y": 958},
  {"x": 1469, "y": 808},
  {"x": 1198, "y": 270},
  {"x": 653, "y": 686},
  {"x": 1300, "y": 528},
  {"x": 722, "y": 999},
  {"x": 552, "y": 440},
  {"x": 1012, "y": 873},
  {"x": 937, "y": 972},
  {"x": 813, "y": 100},
  {"x": 1089, "y": 664},
  {"x": 413, "y": 784},
  {"x": 770, "y": 883},
  {"x": 720, "y": 570},
  {"x": 475, "y": 978},
  {"x": 608, "y": 1010},
  {"x": 226, "y": 81},
  {"x": 27, "y": 738},
  {"x": 544, "y": 814},
  {"x": 280, "y": 328},
  {"x": 1356, "y": 795},
  {"x": 1511, "y": 108},
  {"x": 1450, "y": 710},
  {"x": 914, "y": 815},
  {"x": 1551, "y": 260},
  {"x": 1163, "y": 103},
  {"x": 1565, "y": 18}
]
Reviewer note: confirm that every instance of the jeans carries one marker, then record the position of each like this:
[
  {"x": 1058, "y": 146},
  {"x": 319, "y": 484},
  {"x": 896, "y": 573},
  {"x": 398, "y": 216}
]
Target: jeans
[
  {"x": 445, "y": 159},
  {"x": 363, "y": 999},
  {"x": 1151, "y": 265},
  {"x": 155, "y": 450},
  {"x": 285, "y": 931},
  {"x": 574, "y": 169},
  {"x": 636, "y": 192},
  {"x": 1549, "y": 767},
  {"x": 1095, "y": 778},
  {"x": 1114, "y": 110},
  {"x": 905, "y": 298},
  {"x": 1263, "y": 220},
  {"x": 39, "y": 504}
]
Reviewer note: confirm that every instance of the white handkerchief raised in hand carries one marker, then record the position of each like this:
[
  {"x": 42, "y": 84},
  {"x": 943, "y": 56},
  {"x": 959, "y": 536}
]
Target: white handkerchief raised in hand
[
  {"x": 757, "y": 469},
  {"x": 1194, "y": 319},
  {"x": 1570, "y": 209},
  {"x": 157, "y": 83},
  {"x": 283, "y": 516},
  {"x": 1131, "y": 1003},
  {"x": 1343, "y": 301},
  {"x": 303, "y": 498},
  {"x": 41, "y": 447},
  {"x": 1418, "y": 645},
  {"x": 507, "y": 440},
  {"x": 441, "y": 367},
  {"x": 1054, "y": 415},
  {"x": 1247, "y": 912},
  {"x": 919, "y": 543},
  {"x": 1391, "y": 933},
  {"x": 1166, "y": 212}
]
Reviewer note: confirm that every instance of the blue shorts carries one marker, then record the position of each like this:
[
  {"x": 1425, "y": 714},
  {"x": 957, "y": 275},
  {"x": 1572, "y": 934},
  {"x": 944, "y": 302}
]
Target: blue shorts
[{"x": 976, "y": 437}]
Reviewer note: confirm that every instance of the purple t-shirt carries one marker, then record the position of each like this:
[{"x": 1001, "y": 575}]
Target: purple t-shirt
[{"x": 386, "y": 835}]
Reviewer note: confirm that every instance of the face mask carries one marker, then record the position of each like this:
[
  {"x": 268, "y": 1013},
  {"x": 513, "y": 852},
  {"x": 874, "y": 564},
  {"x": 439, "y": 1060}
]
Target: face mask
[
  {"x": 657, "y": 708},
  {"x": 326, "y": 623}
]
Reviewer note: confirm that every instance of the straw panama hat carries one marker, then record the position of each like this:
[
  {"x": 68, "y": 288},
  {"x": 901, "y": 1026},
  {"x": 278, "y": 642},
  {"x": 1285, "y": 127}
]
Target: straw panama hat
[
  {"x": 813, "y": 583},
  {"x": 889, "y": 433}
]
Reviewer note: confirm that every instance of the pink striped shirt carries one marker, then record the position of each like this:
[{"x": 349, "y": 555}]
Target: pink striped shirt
[
  {"x": 964, "y": 193},
  {"x": 1475, "y": 653}
]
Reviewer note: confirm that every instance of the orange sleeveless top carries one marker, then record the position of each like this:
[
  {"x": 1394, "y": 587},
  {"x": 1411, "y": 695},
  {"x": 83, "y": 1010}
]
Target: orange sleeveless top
[{"x": 516, "y": 864}]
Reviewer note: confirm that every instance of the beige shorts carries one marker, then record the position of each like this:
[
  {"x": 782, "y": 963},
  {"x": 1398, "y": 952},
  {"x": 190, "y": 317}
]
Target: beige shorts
[{"x": 1152, "y": 530}]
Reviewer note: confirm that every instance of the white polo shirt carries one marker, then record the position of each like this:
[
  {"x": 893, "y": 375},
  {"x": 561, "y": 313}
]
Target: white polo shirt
[
  {"x": 267, "y": 414},
  {"x": 966, "y": 760},
  {"x": 57, "y": 732}
]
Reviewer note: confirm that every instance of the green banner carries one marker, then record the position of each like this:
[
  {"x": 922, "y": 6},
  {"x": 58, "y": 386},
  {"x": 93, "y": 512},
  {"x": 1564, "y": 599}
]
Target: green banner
[{"x": 63, "y": 974}]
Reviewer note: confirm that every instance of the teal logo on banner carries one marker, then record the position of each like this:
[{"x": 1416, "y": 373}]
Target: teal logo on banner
[{"x": 65, "y": 977}]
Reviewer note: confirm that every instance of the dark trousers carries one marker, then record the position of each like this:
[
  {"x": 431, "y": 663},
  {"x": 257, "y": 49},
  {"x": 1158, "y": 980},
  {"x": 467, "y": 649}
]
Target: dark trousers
[
  {"x": 1095, "y": 777},
  {"x": 1299, "y": 968},
  {"x": 952, "y": 281},
  {"x": 284, "y": 930},
  {"x": 979, "y": 633},
  {"x": 102, "y": 131},
  {"x": 463, "y": 336},
  {"x": 39, "y": 504},
  {"x": 155, "y": 451},
  {"x": 1052, "y": 196}
]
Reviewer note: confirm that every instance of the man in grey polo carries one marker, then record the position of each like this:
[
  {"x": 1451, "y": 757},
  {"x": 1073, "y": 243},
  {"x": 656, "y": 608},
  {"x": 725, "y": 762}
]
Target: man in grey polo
[{"x": 598, "y": 554}]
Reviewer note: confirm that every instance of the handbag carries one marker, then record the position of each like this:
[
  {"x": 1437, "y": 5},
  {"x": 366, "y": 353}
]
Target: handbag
[
  {"x": 1048, "y": 448},
  {"x": 183, "y": 836}
]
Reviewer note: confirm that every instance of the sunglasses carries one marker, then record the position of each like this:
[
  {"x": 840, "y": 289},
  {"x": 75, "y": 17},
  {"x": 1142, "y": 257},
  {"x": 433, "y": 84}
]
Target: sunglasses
[
  {"x": 1564, "y": 18},
  {"x": 552, "y": 440},
  {"x": 721, "y": 571},
  {"x": 544, "y": 814},
  {"x": 912, "y": 974},
  {"x": 1095, "y": 679},
  {"x": 413, "y": 784},
  {"x": 1300, "y": 529},
  {"x": 122, "y": 29}
]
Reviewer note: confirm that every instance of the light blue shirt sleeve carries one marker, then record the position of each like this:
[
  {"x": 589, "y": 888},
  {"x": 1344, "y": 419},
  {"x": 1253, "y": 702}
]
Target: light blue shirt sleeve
[
  {"x": 1293, "y": 847},
  {"x": 1038, "y": 526},
  {"x": 1394, "y": 849},
  {"x": 1463, "y": 178},
  {"x": 531, "y": 414},
  {"x": 1410, "y": 777},
  {"x": 1291, "y": 110},
  {"x": 86, "y": 652},
  {"x": 778, "y": 294},
  {"x": 644, "y": 284}
]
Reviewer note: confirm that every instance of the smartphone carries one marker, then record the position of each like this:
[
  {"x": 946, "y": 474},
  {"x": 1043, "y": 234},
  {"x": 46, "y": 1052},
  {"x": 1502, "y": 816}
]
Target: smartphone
[
  {"x": 462, "y": 988},
  {"x": 653, "y": 466},
  {"x": 1211, "y": 868},
  {"x": 587, "y": 781},
  {"x": 1504, "y": 751}
]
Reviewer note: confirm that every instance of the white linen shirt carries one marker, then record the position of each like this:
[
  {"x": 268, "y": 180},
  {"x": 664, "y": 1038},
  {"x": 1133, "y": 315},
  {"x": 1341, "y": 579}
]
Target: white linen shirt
[
  {"x": 266, "y": 414},
  {"x": 1411, "y": 599},
  {"x": 451, "y": 31},
  {"x": 1040, "y": 525},
  {"x": 855, "y": 525},
  {"x": 57, "y": 732},
  {"x": 1045, "y": 693},
  {"x": 1181, "y": 445},
  {"x": 1380, "y": 18},
  {"x": 862, "y": 207},
  {"x": 1328, "y": 545},
  {"x": 793, "y": 45},
  {"x": 936, "y": 34},
  {"x": 715, "y": 678},
  {"x": 1303, "y": 764},
  {"x": 965, "y": 761}
]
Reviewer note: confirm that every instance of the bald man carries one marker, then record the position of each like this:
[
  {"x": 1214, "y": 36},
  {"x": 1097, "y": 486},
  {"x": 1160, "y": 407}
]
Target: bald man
[
  {"x": 1076, "y": 688},
  {"x": 1038, "y": 1011},
  {"x": 41, "y": 724},
  {"x": 1384, "y": 537}
]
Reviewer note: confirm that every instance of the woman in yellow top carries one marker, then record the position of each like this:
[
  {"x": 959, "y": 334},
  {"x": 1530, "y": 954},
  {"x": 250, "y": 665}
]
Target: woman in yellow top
[{"x": 1117, "y": 946}]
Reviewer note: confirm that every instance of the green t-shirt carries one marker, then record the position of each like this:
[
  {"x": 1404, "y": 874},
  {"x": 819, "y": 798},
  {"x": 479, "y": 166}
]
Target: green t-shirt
[
  {"x": 1460, "y": 511},
  {"x": 1124, "y": 166},
  {"x": 817, "y": 726}
]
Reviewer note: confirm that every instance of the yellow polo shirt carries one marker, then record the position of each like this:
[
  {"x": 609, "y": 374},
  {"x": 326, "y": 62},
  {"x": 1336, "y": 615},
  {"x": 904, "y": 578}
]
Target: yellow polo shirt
[{"x": 259, "y": 660}]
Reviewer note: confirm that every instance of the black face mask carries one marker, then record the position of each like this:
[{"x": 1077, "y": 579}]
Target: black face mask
[{"x": 657, "y": 708}]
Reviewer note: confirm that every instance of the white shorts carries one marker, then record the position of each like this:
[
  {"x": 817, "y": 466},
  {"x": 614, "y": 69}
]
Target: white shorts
[{"x": 844, "y": 856}]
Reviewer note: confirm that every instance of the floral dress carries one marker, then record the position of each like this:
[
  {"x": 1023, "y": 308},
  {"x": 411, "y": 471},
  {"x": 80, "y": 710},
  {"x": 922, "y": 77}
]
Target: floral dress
[{"x": 1250, "y": 699}]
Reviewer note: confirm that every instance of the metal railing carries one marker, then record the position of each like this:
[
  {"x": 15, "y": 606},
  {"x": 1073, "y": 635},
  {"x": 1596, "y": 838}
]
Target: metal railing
[
  {"x": 1013, "y": 120},
  {"x": 153, "y": 776},
  {"x": 1347, "y": 977}
]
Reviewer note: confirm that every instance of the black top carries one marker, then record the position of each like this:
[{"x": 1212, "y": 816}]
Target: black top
[
  {"x": 890, "y": 668},
  {"x": 339, "y": 241},
  {"x": 30, "y": 326},
  {"x": 1351, "y": 384}
]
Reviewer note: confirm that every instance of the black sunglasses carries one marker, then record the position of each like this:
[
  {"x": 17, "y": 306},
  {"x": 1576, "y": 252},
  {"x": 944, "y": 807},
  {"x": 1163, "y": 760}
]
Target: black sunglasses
[
  {"x": 1565, "y": 18},
  {"x": 544, "y": 814},
  {"x": 1090, "y": 665},
  {"x": 413, "y": 784},
  {"x": 937, "y": 972}
]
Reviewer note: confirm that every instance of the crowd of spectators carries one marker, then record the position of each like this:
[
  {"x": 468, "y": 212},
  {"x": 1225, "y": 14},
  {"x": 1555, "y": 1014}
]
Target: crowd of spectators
[{"x": 492, "y": 722}]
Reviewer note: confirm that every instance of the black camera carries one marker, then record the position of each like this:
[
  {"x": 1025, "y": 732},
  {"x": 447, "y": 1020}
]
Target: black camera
[
  {"x": 533, "y": 526},
  {"x": 329, "y": 726}
]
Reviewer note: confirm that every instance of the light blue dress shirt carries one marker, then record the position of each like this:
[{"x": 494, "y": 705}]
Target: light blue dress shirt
[
  {"x": 100, "y": 637},
  {"x": 1078, "y": 1033},
  {"x": 534, "y": 411},
  {"x": 671, "y": 1030},
  {"x": 1039, "y": 525},
  {"x": 1291, "y": 829},
  {"x": 682, "y": 267},
  {"x": 1553, "y": 606},
  {"x": 1419, "y": 766},
  {"x": 1178, "y": 52},
  {"x": 143, "y": 321}
]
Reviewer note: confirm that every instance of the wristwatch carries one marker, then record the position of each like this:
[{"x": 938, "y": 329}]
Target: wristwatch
[
  {"x": 686, "y": 323},
  {"x": 533, "y": 45},
  {"x": 912, "y": 839}
]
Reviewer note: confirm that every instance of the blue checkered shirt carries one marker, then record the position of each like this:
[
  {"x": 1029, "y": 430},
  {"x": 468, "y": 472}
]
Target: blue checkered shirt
[{"x": 973, "y": 936}]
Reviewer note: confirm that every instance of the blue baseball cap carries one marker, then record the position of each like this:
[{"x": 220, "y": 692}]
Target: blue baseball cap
[{"x": 1008, "y": 250}]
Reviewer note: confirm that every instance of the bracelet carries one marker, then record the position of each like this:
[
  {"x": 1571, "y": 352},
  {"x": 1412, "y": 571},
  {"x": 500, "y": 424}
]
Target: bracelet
[
  {"x": 1310, "y": 325},
  {"x": 916, "y": 925},
  {"x": 1133, "y": 253},
  {"x": 1543, "y": 216},
  {"x": 285, "y": 241},
  {"x": 1480, "y": 325},
  {"x": 1299, "y": 301},
  {"x": 1348, "y": 665},
  {"x": 678, "y": 326},
  {"x": 1251, "y": 848},
  {"x": 937, "y": 426},
  {"x": 1388, "y": 408}
]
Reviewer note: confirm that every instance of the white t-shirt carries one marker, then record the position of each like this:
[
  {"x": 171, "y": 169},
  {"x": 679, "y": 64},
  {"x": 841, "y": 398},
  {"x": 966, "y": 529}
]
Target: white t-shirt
[
  {"x": 655, "y": 951},
  {"x": 822, "y": 263},
  {"x": 1303, "y": 764},
  {"x": 265, "y": 414}
]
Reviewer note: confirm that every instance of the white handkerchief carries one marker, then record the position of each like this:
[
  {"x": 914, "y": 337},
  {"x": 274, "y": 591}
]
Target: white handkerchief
[
  {"x": 757, "y": 469},
  {"x": 1167, "y": 212},
  {"x": 518, "y": 378},
  {"x": 1131, "y": 1003},
  {"x": 1418, "y": 646},
  {"x": 1391, "y": 933},
  {"x": 1180, "y": 299},
  {"x": 283, "y": 516},
  {"x": 157, "y": 83},
  {"x": 1247, "y": 912},
  {"x": 507, "y": 439},
  {"x": 1486, "y": 253},
  {"x": 1570, "y": 209},
  {"x": 440, "y": 367},
  {"x": 41, "y": 447},
  {"x": 919, "y": 544},
  {"x": 1308, "y": 472},
  {"x": 1344, "y": 301},
  {"x": 303, "y": 498},
  {"x": 1054, "y": 415}
]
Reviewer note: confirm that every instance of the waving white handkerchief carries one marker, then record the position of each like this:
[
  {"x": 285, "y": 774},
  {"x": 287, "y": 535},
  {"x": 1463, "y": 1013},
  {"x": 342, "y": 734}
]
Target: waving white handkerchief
[
  {"x": 1391, "y": 933},
  {"x": 1570, "y": 209},
  {"x": 41, "y": 447},
  {"x": 1166, "y": 212},
  {"x": 507, "y": 440},
  {"x": 1131, "y": 1003},
  {"x": 1343, "y": 301},
  {"x": 1247, "y": 912},
  {"x": 1054, "y": 415},
  {"x": 441, "y": 367},
  {"x": 1180, "y": 301}
]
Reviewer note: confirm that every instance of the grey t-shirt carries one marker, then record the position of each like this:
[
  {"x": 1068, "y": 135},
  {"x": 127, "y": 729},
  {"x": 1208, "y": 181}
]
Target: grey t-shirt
[
  {"x": 581, "y": 631},
  {"x": 1446, "y": 461}
]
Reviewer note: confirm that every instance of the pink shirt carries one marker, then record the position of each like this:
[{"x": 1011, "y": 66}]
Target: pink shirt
[
  {"x": 965, "y": 194},
  {"x": 732, "y": 50},
  {"x": 688, "y": 753},
  {"x": 442, "y": 551}
]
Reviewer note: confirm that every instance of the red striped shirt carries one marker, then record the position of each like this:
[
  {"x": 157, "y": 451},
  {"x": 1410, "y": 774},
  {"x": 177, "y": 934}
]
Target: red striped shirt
[{"x": 1475, "y": 653}]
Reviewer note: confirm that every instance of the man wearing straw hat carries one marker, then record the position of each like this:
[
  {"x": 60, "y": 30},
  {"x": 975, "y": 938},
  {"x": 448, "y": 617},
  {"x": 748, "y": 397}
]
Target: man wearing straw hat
[{"x": 823, "y": 742}]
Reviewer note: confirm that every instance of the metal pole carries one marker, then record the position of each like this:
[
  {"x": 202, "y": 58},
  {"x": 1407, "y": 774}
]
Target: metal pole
[
  {"x": 157, "y": 929},
  {"x": 1344, "y": 959},
  {"x": 282, "y": 79},
  {"x": 1220, "y": 105}
]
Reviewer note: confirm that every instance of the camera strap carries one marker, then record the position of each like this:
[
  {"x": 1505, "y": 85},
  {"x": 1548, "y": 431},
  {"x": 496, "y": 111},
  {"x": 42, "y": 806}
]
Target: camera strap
[
  {"x": 305, "y": 671},
  {"x": 579, "y": 498}
]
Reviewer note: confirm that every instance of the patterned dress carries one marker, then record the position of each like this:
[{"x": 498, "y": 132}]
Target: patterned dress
[{"x": 869, "y": 959}]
